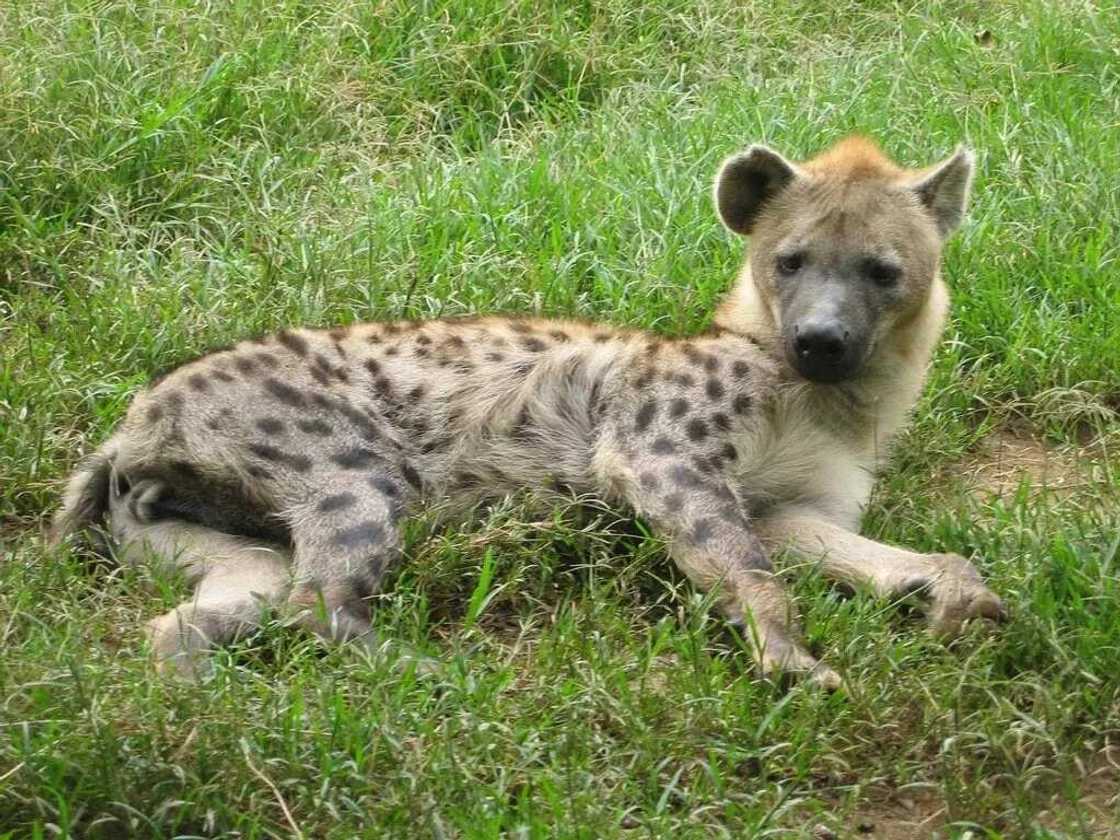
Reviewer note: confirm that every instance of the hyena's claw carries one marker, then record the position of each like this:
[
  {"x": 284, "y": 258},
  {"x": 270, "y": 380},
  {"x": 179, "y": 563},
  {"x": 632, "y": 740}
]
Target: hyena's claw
[
  {"x": 957, "y": 595},
  {"x": 783, "y": 658},
  {"x": 332, "y": 612}
]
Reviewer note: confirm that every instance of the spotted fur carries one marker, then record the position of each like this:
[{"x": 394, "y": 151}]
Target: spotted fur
[{"x": 318, "y": 442}]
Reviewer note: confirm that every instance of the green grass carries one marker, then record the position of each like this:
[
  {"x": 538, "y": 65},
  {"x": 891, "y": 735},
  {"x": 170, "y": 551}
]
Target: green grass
[{"x": 172, "y": 179}]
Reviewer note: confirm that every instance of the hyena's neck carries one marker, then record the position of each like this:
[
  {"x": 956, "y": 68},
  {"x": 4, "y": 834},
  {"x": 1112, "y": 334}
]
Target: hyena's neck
[{"x": 872, "y": 409}]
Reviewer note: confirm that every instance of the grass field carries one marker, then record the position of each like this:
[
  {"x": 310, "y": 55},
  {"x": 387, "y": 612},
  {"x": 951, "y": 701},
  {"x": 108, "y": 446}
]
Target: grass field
[{"x": 174, "y": 176}]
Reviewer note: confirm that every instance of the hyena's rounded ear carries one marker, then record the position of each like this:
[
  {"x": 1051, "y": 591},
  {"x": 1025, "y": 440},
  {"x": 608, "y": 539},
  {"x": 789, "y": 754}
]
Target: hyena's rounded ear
[
  {"x": 747, "y": 181},
  {"x": 943, "y": 190}
]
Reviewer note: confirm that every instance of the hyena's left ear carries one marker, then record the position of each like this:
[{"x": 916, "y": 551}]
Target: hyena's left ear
[
  {"x": 746, "y": 182},
  {"x": 943, "y": 190}
]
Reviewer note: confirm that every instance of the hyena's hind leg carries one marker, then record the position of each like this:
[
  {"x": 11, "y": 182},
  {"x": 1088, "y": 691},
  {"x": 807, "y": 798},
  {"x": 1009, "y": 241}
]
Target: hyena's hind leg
[
  {"x": 234, "y": 579},
  {"x": 344, "y": 539}
]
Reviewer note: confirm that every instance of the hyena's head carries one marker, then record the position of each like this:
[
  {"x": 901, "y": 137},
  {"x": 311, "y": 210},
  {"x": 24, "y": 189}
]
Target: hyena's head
[{"x": 844, "y": 251}]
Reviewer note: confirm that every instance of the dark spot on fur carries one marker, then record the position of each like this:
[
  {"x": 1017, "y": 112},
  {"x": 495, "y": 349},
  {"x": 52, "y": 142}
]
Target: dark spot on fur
[
  {"x": 678, "y": 408},
  {"x": 741, "y": 369},
  {"x": 296, "y": 343},
  {"x": 338, "y": 333},
  {"x": 706, "y": 465},
  {"x": 362, "y": 586},
  {"x": 664, "y": 446},
  {"x": 222, "y": 376},
  {"x": 392, "y": 351},
  {"x": 270, "y": 425},
  {"x": 674, "y": 502},
  {"x": 702, "y": 531},
  {"x": 373, "y": 366},
  {"x": 361, "y": 535},
  {"x": 385, "y": 486},
  {"x": 314, "y": 427},
  {"x": 366, "y": 427},
  {"x": 213, "y": 424},
  {"x": 355, "y": 459},
  {"x": 319, "y": 375},
  {"x": 435, "y": 444},
  {"x": 321, "y": 400},
  {"x": 422, "y": 352},
  {"x": 685, "y": 380},
  {"x": 284, "y": 392},
  {"x": 721, "y": 421},
  {"x": 267, "y": 359},
  {"x": 741, "y": 404},
  {"x": 682, "y": 475},
  {"x": 520, "y": 327},
  {"x": 723, "y": 492},
  {"x": 728, "y": 452},
  {"x": 649, "y": 481},
  {"x": 259, "y": 472},
  {"x": 423, "y": 339},
  {"x": 383, "y": 387},
  {"x": 714, "y": 389},
  {"x": 411, "y": 476},
  {"x": 600, "y": 338},
  {"x": 373, "y": 338},
  {"x": 533, "y": 345},
  {"x": 495, "y": 357},
  {"x": 696, "y": 429},
  {"x": 645, "y": 380},
  {"x": 174, "y": 402},
  {"x": 731, "y": 515},
  {"x": 244, "y": 365},
  {"x": 645, "y": 415},
  {"x": 299, "y": 463},
  {"x": 417, "y": 393},
  {"x": 559, "y": 335},
  {"x": 155, "y": 412},
  {"x": 339, "y": 501},
  {"x": 711, "y": 364},
  {"x": 184, "y": 471}
]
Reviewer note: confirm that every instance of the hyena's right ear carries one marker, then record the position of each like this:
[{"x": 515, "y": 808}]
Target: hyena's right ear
[{"x": 747, "y": 181}]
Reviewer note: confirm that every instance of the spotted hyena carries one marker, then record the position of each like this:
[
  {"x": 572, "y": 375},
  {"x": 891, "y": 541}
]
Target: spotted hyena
[{"x": 281, "y": 469}]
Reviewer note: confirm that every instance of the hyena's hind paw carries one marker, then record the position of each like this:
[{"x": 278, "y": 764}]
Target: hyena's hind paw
[{"x": 234, "y": 579}]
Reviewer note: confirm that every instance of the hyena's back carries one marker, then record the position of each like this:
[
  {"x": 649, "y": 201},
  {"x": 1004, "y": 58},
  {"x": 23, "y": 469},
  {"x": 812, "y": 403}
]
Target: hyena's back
[{"x": 249, "y": 437}]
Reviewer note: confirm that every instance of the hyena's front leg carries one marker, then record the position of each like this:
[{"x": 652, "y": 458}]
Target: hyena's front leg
[
  {"x": 710, "y": 539},
  {"x": 949, "y": 583},
  {"x": 344, "y": 537}
]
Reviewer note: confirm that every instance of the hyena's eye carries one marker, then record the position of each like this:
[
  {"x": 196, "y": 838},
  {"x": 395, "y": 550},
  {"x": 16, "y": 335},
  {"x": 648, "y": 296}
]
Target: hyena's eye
[
  {"x": 882, "y": 273},
  {"x": 790, "y": 263}
]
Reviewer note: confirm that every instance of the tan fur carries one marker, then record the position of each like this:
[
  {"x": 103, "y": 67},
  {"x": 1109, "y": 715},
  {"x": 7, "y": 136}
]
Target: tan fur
[{"x": 317, "y": 442}]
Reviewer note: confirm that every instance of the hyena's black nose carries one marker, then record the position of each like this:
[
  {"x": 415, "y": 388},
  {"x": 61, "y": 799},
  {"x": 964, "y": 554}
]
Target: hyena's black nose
[
  {"x": 823, "y": 343},
  {"x": 823, "y": 351}
]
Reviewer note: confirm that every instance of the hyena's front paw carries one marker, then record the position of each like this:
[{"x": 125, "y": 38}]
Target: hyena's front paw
[
  {"x": 780, "y": 655},
  {"x": 956, "y": 593}
]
